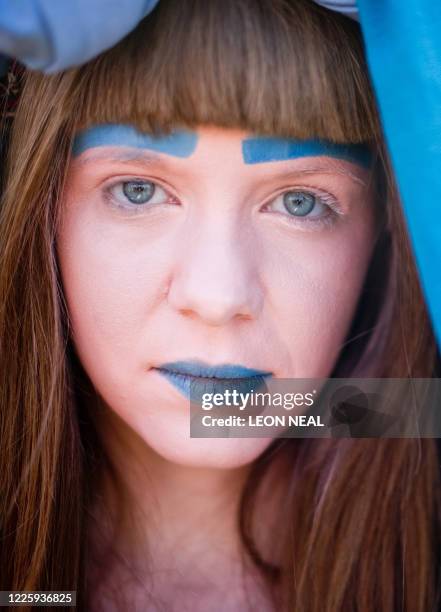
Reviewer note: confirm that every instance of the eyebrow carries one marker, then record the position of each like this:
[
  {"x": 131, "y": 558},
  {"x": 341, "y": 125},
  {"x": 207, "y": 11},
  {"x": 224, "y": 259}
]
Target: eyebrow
[
  {"x": 323, "y": 168},
  {"x": 126, "y": 156},
  {"x": 179, "y": 143},
  {"x": 262, "y": 149}
]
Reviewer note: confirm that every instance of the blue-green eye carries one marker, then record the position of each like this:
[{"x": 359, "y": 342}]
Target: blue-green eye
[
  {"x": 138, "y": 192},
  {"x": 305, "y": 205},
  {"x": 299, "y": 203},
  {"x": 139, "y": 195}
]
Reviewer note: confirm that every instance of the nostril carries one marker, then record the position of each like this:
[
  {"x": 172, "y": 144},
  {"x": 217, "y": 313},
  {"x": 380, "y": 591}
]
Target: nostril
[{"x": 215, "y": 283}]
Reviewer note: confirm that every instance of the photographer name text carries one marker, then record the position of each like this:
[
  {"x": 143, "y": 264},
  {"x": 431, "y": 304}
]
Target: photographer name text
[{"x": 260, "y": 420}]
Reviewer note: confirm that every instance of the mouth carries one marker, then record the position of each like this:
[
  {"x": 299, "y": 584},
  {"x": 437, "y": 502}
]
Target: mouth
[{"x": 193, "y": 379}]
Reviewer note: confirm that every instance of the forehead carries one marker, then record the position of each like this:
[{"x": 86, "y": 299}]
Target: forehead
[{"x": 127, "y": 140}]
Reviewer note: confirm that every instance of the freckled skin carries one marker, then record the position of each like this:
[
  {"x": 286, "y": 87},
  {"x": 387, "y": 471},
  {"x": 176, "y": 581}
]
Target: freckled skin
[{"x": 211, "y": 275}]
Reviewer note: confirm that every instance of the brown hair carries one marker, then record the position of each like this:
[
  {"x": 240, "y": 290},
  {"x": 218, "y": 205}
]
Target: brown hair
[{"x": 359, "y": 526}]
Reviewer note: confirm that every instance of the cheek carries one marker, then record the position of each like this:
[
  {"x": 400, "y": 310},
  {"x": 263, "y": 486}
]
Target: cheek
[
  {"x": 315, "y": 283},
  {"x": 111, "y": 282}
]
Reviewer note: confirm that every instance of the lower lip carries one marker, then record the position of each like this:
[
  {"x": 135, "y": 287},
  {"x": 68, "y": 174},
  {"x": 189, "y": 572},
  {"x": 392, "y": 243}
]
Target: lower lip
[{"x": 194, "y": 387}]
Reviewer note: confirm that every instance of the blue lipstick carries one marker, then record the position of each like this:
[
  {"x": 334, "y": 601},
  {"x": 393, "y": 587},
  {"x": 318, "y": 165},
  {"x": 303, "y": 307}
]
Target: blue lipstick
[{"x": 194, "y": 378}]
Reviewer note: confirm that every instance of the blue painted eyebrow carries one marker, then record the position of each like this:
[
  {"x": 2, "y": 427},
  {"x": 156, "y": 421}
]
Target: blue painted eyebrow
[
  {"x": 180, "y": 143},
  {"x": 260, "y": 149}
]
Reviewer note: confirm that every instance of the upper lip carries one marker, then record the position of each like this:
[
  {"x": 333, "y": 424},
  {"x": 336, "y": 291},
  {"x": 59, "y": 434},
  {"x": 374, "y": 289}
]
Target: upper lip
[{"x": 202, "y": 370}]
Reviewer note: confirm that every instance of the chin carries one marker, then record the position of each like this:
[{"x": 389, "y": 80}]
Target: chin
[
  {"x": 162, "y": 425},
  {"x": 227, "y": 453}
]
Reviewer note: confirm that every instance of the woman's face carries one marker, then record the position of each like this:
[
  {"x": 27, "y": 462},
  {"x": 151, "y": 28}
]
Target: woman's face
[{"x": 208, "y": 254}]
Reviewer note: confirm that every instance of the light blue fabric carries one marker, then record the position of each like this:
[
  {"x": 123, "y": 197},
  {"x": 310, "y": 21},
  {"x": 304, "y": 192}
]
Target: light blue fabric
[
  {"x": 403, "y": 43},
  {"x": 403, "y": 47},
  {"x": 52, "y": 35},
  {"x": 347, "y": 7}
]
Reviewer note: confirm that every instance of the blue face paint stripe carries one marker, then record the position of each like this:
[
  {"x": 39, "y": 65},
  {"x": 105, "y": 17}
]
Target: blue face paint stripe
[
  {"x": 262, "y": 149},
  {"x": 180, "y": 143}
]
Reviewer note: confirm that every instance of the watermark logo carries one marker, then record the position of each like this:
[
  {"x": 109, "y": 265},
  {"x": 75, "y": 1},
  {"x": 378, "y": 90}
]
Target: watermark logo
[{"x": 354, "y": 408}]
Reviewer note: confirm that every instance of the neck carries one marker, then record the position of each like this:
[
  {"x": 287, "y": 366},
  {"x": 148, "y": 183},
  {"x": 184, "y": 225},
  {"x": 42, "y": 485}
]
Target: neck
[{"x": 179, "y": 523}]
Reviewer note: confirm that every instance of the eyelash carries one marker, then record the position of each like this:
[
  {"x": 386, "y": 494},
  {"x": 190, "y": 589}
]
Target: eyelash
[
  {"x": 325, "y": 198},
  {"x": 130, "y": 207},
  {"x": 333, "y": 214}
]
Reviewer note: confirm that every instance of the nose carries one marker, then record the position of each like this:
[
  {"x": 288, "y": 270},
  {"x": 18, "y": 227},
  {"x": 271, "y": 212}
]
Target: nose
[{"x": 215, "y": 278}]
